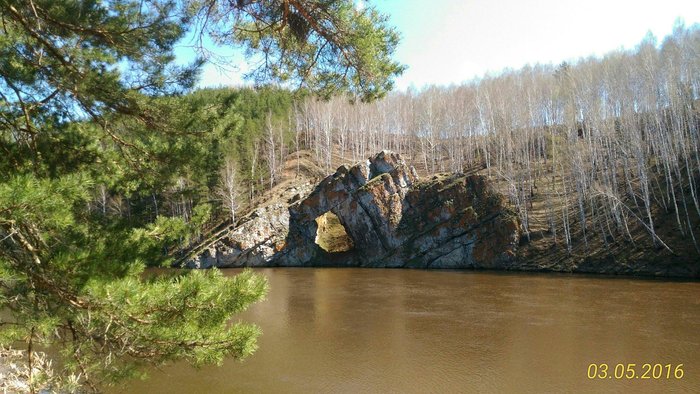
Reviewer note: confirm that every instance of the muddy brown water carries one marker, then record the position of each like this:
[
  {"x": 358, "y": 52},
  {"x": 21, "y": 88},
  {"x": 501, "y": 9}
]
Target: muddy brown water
[{"x": 414, "y": 331}]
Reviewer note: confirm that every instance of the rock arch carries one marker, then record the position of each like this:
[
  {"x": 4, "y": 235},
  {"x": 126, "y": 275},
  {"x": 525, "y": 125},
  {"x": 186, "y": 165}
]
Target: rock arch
[{"x": 394, "y": 220}]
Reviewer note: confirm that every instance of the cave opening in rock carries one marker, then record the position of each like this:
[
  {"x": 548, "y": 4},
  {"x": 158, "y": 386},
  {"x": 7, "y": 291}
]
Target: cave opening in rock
[{"x": 331, "y": 235}]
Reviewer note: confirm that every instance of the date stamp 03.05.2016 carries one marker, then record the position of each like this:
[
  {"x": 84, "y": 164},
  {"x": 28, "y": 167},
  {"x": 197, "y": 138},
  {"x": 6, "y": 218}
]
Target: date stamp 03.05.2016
[{"x": 635, "y": 371}]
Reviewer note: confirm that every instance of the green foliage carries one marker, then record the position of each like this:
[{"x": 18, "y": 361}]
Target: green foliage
[
  {"x": 63, "y": 276},
  {"x": 183, "y": 317},
  {"x": 329, "y": 46},
  {"x": 205, "y": 127}
]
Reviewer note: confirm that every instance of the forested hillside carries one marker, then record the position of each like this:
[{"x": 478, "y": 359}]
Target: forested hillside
[
  {"x": 222, "y": 147},
  {"x": 599, "y": 152}
]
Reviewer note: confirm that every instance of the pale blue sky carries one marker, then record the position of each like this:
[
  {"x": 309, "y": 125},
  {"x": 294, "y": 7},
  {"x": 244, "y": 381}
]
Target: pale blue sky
[{"x": 451, "y": 41}]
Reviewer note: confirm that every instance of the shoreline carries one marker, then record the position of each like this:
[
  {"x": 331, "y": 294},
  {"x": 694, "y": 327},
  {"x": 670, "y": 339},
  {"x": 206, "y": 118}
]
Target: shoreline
[{"x": 503, "y": 271}]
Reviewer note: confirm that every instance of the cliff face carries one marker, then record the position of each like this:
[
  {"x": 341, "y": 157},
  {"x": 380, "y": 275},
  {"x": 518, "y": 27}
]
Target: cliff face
[{"x": 389, "y": 219}]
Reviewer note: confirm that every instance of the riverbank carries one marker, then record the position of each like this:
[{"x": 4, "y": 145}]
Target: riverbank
[
  {"x": 383, "y": 214},
  {"x": 15, "y": 376}
]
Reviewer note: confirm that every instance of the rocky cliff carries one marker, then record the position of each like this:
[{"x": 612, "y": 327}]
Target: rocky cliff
[{"x": 389, "y": 218}]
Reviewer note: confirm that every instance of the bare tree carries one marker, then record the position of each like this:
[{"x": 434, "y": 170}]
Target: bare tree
[
  {"x": 605, "y": 145},
  {"x": 228, "y": 190}
]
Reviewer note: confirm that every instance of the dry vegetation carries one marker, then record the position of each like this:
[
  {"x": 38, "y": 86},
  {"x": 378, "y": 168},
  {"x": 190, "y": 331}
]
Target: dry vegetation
[{"x": 600, "y": 158}]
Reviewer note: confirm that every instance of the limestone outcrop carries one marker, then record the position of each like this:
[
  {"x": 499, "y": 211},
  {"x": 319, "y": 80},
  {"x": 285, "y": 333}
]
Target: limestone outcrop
[
  {"x": 256, "y": 241},
  {"x": 391, "y": 217}
]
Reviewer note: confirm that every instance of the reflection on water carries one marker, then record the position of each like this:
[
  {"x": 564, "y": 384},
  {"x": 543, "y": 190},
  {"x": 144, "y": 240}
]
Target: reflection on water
[{"x": 373, "y": 330}]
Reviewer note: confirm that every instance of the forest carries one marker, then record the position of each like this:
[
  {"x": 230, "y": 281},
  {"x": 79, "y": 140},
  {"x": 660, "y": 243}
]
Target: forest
[{"x": 590, "y": 149}]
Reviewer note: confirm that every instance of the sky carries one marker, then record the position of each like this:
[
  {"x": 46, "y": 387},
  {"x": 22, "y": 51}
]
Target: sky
[{"x": 452, "y": 41}]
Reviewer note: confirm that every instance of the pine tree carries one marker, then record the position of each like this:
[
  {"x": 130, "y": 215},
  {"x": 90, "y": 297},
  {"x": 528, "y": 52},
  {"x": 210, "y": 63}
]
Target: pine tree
[{"x": 86, "y": 109}]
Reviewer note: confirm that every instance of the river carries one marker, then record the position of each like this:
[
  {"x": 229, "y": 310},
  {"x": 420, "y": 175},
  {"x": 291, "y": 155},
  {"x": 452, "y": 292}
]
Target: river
[{"x": 413, "y": 331}]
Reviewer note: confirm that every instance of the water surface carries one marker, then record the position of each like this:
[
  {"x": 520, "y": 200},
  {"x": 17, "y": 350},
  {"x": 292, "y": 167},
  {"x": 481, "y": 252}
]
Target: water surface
[{"x": 413, "y": 331}]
